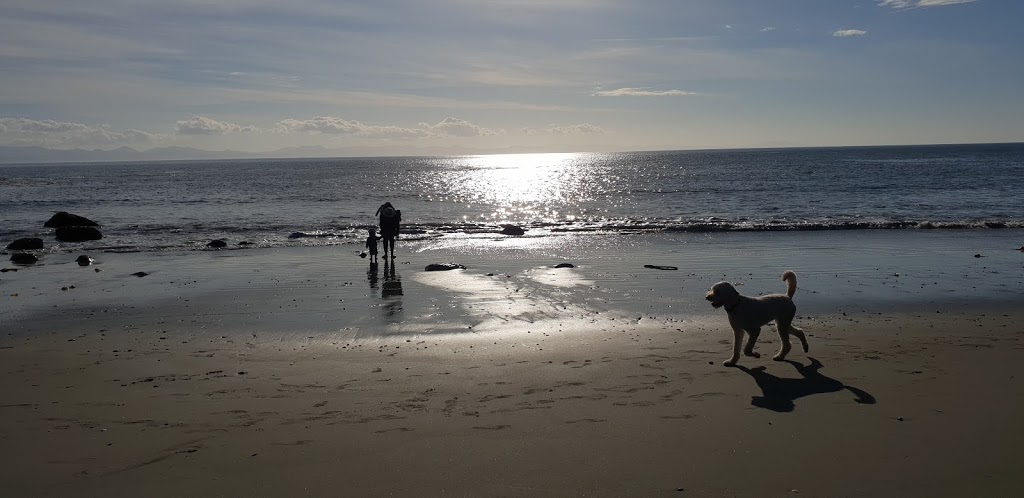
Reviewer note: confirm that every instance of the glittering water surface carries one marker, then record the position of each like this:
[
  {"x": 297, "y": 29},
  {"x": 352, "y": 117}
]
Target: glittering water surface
[{"x": 183, "y": 205}]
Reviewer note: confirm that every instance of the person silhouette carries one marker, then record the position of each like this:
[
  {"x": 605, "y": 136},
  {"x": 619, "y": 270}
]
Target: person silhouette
[
  {"x": 390, "y": 221},
  {"x": 371, "y": 244}
]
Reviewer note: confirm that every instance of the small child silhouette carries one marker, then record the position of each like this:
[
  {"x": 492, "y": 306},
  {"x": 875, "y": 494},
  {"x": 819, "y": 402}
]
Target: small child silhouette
[{"x": 371, "y": 244}]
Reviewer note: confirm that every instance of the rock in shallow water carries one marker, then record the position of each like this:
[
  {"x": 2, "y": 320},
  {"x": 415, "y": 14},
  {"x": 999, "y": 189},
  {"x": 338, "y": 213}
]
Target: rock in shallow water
[
  {"x": 26, "y": 243},
  {"x": 565, "y": 265},
  {"x": 512, "y": 230},
  {"x": 78, "y": 234},
  {"x": 23, "y": 258},
  {"x": 83, "y": 260},
  {"x": 217, "y": 244},
  {"x": 444, "y": 267},
  {"x": 66, "y": 219}
]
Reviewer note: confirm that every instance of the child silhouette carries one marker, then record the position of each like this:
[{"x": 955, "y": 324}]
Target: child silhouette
[{"x": 371, "y": 244}]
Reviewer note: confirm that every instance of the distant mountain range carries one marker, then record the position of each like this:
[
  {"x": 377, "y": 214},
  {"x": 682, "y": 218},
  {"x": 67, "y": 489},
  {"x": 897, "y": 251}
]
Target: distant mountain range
[{"x": 32, "y": 155}]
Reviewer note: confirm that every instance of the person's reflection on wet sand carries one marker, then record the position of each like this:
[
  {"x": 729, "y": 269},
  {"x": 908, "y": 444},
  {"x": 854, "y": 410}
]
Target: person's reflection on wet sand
[
  {"x": 391, "y": 290},
  {"x": 371, "y": 275}
]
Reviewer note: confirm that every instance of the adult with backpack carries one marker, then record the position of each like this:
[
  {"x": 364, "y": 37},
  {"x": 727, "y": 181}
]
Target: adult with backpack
[{"x": 390, "y": 220}]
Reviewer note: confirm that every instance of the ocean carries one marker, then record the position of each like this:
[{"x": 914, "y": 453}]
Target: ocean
[{"x": 160, "y": 206}]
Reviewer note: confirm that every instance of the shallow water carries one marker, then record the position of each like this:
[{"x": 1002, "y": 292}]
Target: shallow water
[{"x": 330, "y": 290}]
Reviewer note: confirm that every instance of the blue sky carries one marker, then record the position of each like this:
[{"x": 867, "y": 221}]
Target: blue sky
[{"x": 257, "y": 75}]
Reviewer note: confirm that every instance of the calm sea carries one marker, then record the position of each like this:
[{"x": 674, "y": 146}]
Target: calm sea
[{"x": 183, "y": 205}]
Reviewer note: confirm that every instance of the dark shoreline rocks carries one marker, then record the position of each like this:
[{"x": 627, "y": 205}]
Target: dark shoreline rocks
[
  {"x": 78, "y": 233},
  {"x": 23, "y": 258},
  {"x": 444, "y": 267},
  {"x": 83, "y": 260},
  {"x": 512, "y": 230},
  {"x": 66, "y": 219},
  {"x": 565, "y": 265},
  {"x": 216, "y": 244},
  {"x": 25, "y": 244}
]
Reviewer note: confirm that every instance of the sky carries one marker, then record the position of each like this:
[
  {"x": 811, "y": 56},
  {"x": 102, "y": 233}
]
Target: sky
[{"x": 571, "y": 75}]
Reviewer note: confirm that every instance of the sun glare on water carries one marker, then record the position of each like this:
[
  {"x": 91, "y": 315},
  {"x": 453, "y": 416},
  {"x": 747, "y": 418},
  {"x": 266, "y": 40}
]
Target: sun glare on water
[{"x": 525, "y": 186}]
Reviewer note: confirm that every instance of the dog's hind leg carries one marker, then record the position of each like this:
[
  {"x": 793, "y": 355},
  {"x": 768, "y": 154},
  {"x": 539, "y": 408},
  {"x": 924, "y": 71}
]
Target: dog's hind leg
[
  {"x": 737, "y": 342},
  {"x": 751, "y": 341},
  {"x": 799, "y": 333}
]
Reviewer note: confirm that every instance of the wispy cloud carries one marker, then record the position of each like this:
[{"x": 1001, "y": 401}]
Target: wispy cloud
[
  {"x": 919, "y": 4},
  {"x": 200, "y": 125},
  {"x": 331, "y": 125},
  {"x": 843, "y": 33},
  {"x": 642, "y": 92},
  {"x": 459, "y": 128},
  {"x": 576, "y": 129},
  {"x": 57, "y": 134},
  {"x": 766, "y": 29}
]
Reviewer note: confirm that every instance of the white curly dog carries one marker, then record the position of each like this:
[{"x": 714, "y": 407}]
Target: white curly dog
[{"x": 748, "y": 314}]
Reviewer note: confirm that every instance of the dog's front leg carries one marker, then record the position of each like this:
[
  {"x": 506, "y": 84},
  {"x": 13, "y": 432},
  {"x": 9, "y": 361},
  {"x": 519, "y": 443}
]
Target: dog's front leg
[
  {"x": 737, "y": 343},
  {"x": 751, "y": 341}
]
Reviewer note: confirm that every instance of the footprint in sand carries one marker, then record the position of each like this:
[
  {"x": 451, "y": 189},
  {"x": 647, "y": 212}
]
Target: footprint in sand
[
  {"x": 678, "y": 417},
  {"x": 300, "y": 442},
  {"x": 590, "y": 420},
  {"x": 399, "y": 429}
]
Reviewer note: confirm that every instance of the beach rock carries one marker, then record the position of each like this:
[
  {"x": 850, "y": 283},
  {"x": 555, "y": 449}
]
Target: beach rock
[
  {"x": 565, "y": 265},
  {"x": 245, "y": 243},
  {"x": 26, "y": 243},
  {"x": 65, "y": 219},
  {"x": 83, "y": 260},
  {"x": 23, "y": 258},
  {"x": 217, "y": 244},
  {"x": 444, "y": 267},
  {"x": 512, "y": 230},
  {"x": 301, "y": 235},
  {"x": 78, "y": 233},
  {"x": 139, "y": 274},
  {"x": 995, "y": 224},
  {"x": 659, "y": 267}
]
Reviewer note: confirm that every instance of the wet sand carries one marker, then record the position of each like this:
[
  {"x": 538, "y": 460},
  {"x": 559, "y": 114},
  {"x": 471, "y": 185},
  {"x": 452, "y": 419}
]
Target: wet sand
[{"x": 285, "y": 372}]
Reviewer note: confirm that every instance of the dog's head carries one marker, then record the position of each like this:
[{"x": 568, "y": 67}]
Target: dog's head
[{"x": 722, "y": 294}]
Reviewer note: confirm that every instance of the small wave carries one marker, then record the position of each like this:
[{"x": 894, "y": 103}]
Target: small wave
[{"x": 158, "y": 238}]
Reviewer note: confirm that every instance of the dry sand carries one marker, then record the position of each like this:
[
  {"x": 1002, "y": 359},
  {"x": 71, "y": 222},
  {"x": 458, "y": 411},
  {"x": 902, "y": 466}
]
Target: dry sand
[{"x": 180, "y": 386}]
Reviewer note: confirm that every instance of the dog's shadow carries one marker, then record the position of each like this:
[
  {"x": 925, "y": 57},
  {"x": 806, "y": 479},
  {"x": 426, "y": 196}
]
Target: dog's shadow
[{"x": 779, "y": 394}]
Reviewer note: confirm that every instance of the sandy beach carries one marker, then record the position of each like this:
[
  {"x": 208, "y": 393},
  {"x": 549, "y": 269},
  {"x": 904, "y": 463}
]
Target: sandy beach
[{"x": 297, "y": 371}]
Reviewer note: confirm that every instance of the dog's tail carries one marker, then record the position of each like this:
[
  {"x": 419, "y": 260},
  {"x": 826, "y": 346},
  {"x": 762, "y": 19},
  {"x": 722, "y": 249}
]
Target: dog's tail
[{"x": 790, "y": 278}]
